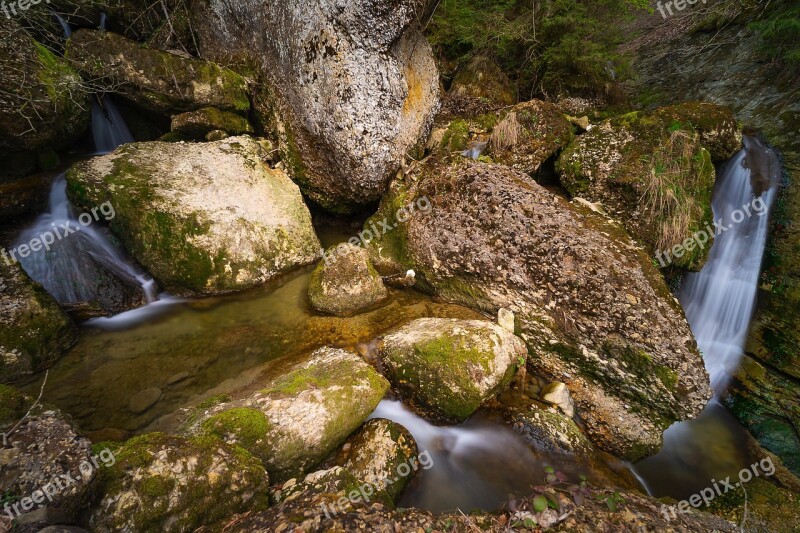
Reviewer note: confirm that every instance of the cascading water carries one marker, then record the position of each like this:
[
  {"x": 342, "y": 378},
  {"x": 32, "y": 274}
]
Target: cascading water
[
  {"x": 80, "y": 263},
  {"x": 719, "y": 302}
]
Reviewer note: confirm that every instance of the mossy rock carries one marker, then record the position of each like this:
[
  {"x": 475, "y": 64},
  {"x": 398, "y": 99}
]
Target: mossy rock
[
  {"x": 154, "y": 79},
  {"x": 165, "y": 483},
  {"x": 46, "y": 104},
  {"x": 34, "y": 330},
  {"x": 478, "y": 87},
  {"x": 13, "y": 405},
  {"x": 336, "y": 482},
  {"x": 654, "y": 172},
  {"x": 551, "y": 432},
  {"x": 228, "y": 223},
  {"x": 451, "y": 366},
  {"x": 383, "y": 454},
  {"x": 197, "y": 124},
  {"x": 345, "y": 282},
  {"x": 301, "y": 416}
]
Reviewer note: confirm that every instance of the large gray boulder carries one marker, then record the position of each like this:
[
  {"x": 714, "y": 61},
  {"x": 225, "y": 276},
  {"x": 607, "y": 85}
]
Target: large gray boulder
[
  {"x": 594, "y": 312},
  {"x": 201, "y": 218},
  {"x": 353, "y": 85}
]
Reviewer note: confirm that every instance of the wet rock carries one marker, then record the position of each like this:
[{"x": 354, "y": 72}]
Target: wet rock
[
  {"x": 655, "y": 173},
  {"x": 451, "y": 366},
  {"x": 166, "y": 483},
  {"x": 345, "y": 282},
  {"x": 44, "y": 453},
  {"x": 198, "y": 124},
  {"x": 557, "y": 394},
  {"x": 478, "y": 87},
  {"x": 335, "y": 481},
  {"x": 202, "y": 218},
  {"x": 528, "y": 134},
  {"x": 34, "y": 331},
  {"x": 153, "y": 79},
  {"x": 494, "y": 238},
  {"x": 144, "y": 400},
  {"x": 297, "y": 418},
  {"x": 376, "y": 453},
  {"x": 44, "y": 103},
  {"x": 550, "y": 432},
  {"x": 23, "y": 196},
  {"x": 352, "y": 87}
]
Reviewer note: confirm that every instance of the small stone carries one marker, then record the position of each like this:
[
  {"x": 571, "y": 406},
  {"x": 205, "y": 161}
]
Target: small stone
[
  {"x": 557, "y": 393},
  {"x": 505, "y": 319},
  {"x": 144, "y": 400},
  {"x": 177, "y": 378},
  {"x": 633, "y": 300}
]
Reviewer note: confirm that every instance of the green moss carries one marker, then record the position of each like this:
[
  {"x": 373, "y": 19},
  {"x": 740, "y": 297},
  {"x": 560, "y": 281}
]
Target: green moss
[
  {"x": 456, "y": 136},
  {"x": 244, "y": 426},
  {"x": 13, "y": 405}
]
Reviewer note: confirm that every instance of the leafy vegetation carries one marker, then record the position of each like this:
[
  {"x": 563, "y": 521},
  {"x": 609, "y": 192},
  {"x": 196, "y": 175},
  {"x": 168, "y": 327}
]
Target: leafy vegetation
[
  {"x": 547, "y": 46},
  {"x": 780, "y": 32}
]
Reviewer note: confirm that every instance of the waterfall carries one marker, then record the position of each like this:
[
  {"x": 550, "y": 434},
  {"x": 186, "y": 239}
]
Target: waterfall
[
  {"x": 64, "y": 25},
  {"x": 719, "y": 301},
  {"x": 108, "y": 128}
]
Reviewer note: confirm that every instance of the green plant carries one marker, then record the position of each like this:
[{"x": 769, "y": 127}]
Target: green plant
[{"x": 779, "y": 29}]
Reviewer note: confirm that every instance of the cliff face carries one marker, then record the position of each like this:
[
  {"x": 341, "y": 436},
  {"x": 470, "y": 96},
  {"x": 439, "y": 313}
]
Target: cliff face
[
  {"x": 354, "y": 85},
  {"x": 722, "y": 65}
]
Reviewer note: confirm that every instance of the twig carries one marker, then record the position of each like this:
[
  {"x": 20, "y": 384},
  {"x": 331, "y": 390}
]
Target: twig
[{"x": 41, "y": 392}]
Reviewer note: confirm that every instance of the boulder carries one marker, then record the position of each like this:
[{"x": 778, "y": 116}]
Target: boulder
[
  {"x": 451, "y": 366},
  {"x": 34, "y": 331},
  {"x": 301, "y": 416},
  {"x": 23, "y": 196},
  {"x": 45, "y": 463},
  {"x": 478, "y": 87},
  {"x": 164, "y": 483},
  {"x": 550, "y": 432},
  {"x": 44, "y": 102},
  {"x": 336, "y": 481},
  {"x": 594, "y": 312},
  {"x": 655, "y": 172},
  {"x": 198, "y": 124},
  {"x": 375, "y": 454},
  {"x": 352, "y": 86},
  {"x": 154, "y": 79},
  {"x": 345, "y": 282},
  {"x": 202, "y": 218}
]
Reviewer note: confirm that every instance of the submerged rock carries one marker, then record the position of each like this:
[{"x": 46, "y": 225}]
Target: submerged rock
[
  {"x": 201, "y": 123},
  {"x": 594, "y": 312},
  {"x": 299, "y": 417},
  {"x": 353, "y": 86},
  {"x": 201, "y": 218},
  {"x": 154, "y": 79},
  {"x": 382, "y": 454},
  {"x": 46, "y": 464},
  {"x": 550, "y": 432},
  {"x": 451, "y": 366},
  {"x": 164, "y": 483},
  {"x": 345, "y": 282},
  {"x": 34, "y": 331},
  {"x": 44, "y": 102},
  {"x": 655, "y": 173}
]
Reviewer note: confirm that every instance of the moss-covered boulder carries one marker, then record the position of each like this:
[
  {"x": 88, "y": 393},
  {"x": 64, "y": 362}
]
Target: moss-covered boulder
[
  {"x": 201, "y": 218},
  {"x": 382, "y": 454},
  {"x": 345, "y": 282},
  {"x": 297, "y": 418},
  {"x": 154, "y": 79},
  {"x": 34, "y": 331},
  {"x": 41, "y": 448},
  {"x": 594, "y": 312},
  {"x": 197, "y": 124},
  {"x": 528, "y": 134},
  {"x": 655, "y": 172},
  {"x": 478, "y": 87},
  {"x": 551, "y": 432},
  {"x": 451, "y": 366},
  {"x": 164, "y": 483},
  {"x": 44, "y": 102}
]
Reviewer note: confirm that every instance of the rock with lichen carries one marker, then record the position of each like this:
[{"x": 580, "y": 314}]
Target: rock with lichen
[
  {"x": 153, "y": 79},
  {"x": 199, "y": 124},
  {"x": 299, "y": 417},
  {"x": 655, "y": 172},
  {"x": 34, "y": 330},
  {"x": 593, "y": 310},
  {"x": 451, "y": 366},
  {"x": 203, "y": 218},
  {"x": 345, "y": 282},
  {"x": 377, "y": 453},
  {"x": 173, "y": 484},
  {"x": 352, "y": 86}
]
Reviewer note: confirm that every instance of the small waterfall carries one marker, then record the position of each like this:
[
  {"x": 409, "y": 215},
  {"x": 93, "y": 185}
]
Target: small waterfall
[
  {"x": 64, "y": 25},
  {"x": 719, "y": 301},
  {"x": 108, "y": 128}
]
